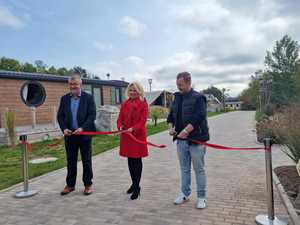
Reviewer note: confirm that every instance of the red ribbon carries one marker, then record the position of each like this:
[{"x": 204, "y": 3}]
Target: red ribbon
[
  {"x": 215, "y": 146},
  {"x": 29, "y": 146},
  {"x": 119, "y": 132},
  {"x": 221, "y": 147}
]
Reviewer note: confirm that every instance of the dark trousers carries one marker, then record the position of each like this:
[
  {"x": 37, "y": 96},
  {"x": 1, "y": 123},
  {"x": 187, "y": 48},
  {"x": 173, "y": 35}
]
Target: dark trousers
[
  {"x": 135, "y": 166},
  {"x": 73, "y": 144}
]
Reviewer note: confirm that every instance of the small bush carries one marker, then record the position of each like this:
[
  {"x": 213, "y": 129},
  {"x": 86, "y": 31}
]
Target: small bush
[
  {"x": 158, "y": 112},
  {"x": 287, "y": 130},
  {"x": 10, "y": 119},
  {"x": 265, "y": 129}
]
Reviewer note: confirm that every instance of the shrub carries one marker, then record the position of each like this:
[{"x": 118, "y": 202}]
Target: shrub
[
  {"x": 265, "y": 129},
  {"x": 287, "y": 130},
  {"x": 158, "y": 112},
  {"x": 10, "y": 119}
]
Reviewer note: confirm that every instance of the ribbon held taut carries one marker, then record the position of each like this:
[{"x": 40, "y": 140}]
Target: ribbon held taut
[
  {"x": 215, "y": 146},
  {"x": 119, "y": 132},
  {"x": 221, "y": 147}
]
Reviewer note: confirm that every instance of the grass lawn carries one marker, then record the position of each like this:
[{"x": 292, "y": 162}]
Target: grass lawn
[{"x": 10, "y": 159}]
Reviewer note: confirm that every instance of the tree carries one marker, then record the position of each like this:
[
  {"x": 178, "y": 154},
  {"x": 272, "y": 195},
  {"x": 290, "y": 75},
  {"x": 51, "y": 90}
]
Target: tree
[
  {"x": 81, "y": 71},
  {"x": 28, "y": 67},
  {"x": 52, "y": 70},
  {"x": 40, "y": 66},
  {"x": 9, "y": 64},
  {"x": 250, "y": 96},
  {"x": 281, "y": 67},
  {"x": 214, "y": 91},
  {"x": 63, "y": 71},
  {"x": 284, "y": 57}
]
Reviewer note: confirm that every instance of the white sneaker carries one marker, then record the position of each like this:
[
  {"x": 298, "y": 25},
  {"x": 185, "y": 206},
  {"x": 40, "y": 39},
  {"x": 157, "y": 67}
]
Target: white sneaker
[
  {"x": 200, "y": 203},
  {"x": 180, "y": 199}
]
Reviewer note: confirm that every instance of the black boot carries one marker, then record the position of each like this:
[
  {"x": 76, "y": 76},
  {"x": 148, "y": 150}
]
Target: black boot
[
  {"x": 135, "y": 194},
  {"x": 130, "y": 190}
]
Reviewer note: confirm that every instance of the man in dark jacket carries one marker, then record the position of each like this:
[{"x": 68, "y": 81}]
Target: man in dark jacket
[
  {"x": 76, "y": 113},
  {"x": 187, "y": 120}
]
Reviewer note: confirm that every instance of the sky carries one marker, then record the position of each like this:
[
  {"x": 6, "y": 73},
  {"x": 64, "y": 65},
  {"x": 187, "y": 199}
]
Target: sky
[{"x": 220, "y": 42}]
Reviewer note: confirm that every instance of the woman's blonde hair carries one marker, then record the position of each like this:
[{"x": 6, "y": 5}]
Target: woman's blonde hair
[{"x": 138, "y": 87}]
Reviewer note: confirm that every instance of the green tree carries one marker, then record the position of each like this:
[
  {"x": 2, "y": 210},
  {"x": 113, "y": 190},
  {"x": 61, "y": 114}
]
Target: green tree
[
  {"x": 40, "y": 66},
  {"x": 28, "y": 67},
  {"x": 214, "y": 91},
  {"x": 9, "y": 64},
  {"x": 250, "y": 96},
  {"x": 284, "y": 57},
  {"x": 63, "y": 71},
  {"x": 81, "y": 71},
  {"x": 52, "y": 70},
  {"x": 281, "y": 67}
]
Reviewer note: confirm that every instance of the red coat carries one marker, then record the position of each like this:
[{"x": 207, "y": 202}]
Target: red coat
[{"x": 133, "y": 113}]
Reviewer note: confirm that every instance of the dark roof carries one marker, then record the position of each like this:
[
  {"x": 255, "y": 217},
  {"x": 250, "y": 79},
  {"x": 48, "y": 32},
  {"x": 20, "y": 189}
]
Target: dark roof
[
  {"x": 57, "y": 78},
  {"x": 232, "y": 99}
]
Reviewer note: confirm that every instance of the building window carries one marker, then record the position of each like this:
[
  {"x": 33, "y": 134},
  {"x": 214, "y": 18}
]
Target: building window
[
  {"x": 118, "y": 95},
  {"x": 97, "y": 93},
  {"x": 123, "y": 97}
]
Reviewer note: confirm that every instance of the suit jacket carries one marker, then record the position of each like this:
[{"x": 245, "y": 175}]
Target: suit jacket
[{"x": 86, "y": 114}]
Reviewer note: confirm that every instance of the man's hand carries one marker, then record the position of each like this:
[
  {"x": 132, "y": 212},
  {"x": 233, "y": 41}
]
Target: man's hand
[
  {"x": 78, "y": 130},
  {"x": 183, "y": 134},
  {"x": 172, "y": 131},
  {"x": 67, "y": 132}
]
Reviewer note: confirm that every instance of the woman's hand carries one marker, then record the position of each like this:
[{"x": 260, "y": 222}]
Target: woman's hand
[{"x": 130, "y": 129}]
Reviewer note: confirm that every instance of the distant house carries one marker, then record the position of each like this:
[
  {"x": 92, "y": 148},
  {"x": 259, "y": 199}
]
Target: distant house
[
  {"x": 233, "y": 103},
  {"x": 161, "y": 98},
  {"x": 105, "y": 92},
  {"x": 213, "y": 103}
]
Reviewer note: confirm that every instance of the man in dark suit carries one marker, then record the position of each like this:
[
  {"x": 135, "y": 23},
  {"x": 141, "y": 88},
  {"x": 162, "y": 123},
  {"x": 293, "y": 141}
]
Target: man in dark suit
[{"x": 76, "y": 113}]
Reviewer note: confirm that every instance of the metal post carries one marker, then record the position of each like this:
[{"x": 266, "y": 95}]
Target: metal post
[
  {"x": 33, "y": 115},
  {"x": 26, "y": 192},
  {"x": 54, "y": 112},
  {"x": 269, "y": 219}
]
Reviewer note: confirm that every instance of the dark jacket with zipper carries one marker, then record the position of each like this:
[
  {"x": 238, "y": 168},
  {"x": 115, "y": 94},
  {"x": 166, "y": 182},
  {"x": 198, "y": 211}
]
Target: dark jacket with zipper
[{"x": 190, "y": 108}]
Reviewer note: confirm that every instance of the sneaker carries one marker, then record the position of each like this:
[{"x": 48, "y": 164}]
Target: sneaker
[
  {"x": 200, "y": 203},
  {"x": 180, "y": 199}
]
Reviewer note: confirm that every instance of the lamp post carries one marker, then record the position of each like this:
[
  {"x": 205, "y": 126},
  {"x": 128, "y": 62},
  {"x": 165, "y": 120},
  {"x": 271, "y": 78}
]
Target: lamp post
[{"x": 150, "y": 83}]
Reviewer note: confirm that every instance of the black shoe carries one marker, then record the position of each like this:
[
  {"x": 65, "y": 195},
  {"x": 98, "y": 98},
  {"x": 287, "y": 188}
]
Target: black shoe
[
  {"x": 130, "y": 190},
  {"x": 135, "y": 193}
]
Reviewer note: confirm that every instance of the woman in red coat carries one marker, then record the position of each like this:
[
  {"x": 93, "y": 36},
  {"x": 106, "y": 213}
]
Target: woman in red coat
[{"x": 133, "y": 117}]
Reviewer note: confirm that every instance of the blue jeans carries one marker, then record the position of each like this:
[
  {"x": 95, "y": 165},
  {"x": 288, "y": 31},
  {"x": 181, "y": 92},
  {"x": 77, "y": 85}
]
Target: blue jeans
[{"x": 195, "y": 154}]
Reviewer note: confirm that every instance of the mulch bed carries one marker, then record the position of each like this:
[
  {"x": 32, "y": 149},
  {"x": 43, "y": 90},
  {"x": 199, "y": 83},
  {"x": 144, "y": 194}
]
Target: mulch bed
[{"x": 290, "y": 180}]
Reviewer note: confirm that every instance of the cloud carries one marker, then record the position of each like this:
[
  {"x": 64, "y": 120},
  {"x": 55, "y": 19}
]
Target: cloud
[
  {"x": 204, "y": 73},
  {"x": 135, "y": 60},
  {"x": 203, "y": 13},
  {"x": 221, "y": 42},
  {"x": 228, "y": 39},
  {"x": 132, "y": 27},
  {"x": 102, "y": 46},
  {"x": 9, "y": 20}
]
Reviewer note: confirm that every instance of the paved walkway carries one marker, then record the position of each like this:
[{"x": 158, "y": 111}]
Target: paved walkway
[{"x": 236, "y": 187}]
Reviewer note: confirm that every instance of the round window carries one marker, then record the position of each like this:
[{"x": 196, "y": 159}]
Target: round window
[{"x": 33, "y": 93}]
